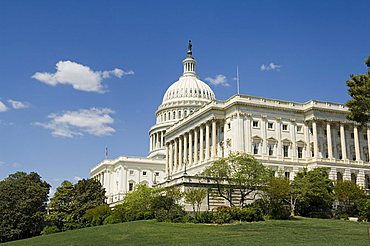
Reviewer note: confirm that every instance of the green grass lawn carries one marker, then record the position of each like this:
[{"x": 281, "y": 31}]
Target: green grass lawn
[{"x": 301, "y": 231}]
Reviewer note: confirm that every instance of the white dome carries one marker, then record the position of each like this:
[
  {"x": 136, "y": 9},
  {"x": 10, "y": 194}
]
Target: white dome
[{"x": 188, "y": 87}]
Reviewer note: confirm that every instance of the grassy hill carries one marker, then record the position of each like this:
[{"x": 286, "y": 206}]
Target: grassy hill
[{"x": 301, "y": 231}]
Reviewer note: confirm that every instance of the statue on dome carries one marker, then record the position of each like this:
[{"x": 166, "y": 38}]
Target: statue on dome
[{"x": 190, "y": 48}]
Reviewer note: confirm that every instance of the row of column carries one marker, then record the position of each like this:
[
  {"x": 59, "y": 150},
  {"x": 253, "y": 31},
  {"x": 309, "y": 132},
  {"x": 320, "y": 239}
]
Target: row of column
[
  {"x": 156, "y": 140},
  {"x": 182, "y": 152},
  {"x": 342, "y": 141}
]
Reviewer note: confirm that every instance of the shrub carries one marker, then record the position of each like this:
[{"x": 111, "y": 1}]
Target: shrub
[
  {"x": 205, "y": 217},
  {"x": 50, "y": 230}
]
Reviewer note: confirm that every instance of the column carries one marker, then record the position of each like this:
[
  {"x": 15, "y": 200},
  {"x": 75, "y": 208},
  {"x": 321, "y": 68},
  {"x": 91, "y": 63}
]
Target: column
[
  {"x": 343, "y": 142},
  {"x": 315, "y": 142},
  {"x": 190, "y": 148},
  {"x": 151, "y": 143},
  {"x": 207, "y": 141},
  {"x": 214, "y": 143},
  {"x": 170, "y": 159},
  {"x": 175, "y": 159},
  {"x": 185, "y": 150},
  {"x": 329, "y": 141},
  {"x": 368, "y": 141},
  {"x": 278, "y": 136},
  {"x": 167, "y": 160},
  {"x": 161, "y": 145},
  {"x": 180, "y": 154},
  {"x": 248, "y": 137},
  {"x": 264, "y": 136},
  {"x": 293, "y": 130},
  {"x": 201, "y": 144},
  {"x": 357, "y": 143},
  {"x": 308, "y": 141},
  {"x": 157, "y": 140},
  {"x": 196, "y": 146}
]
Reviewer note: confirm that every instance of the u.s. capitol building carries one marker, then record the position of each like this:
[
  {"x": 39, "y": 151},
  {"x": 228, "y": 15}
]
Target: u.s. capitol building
[{"x": 193, "y": 129}]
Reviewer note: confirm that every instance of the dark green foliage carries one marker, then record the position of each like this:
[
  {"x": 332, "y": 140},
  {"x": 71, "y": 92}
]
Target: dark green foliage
[
  {"x": 23, "y": 200},
  {"x": 70, "y": 203},
  {"x": 350, "y": 196},
  {"x": 359, "y": 90},
  {"x": 96, "y": 216},
  {"x": 50, "y": 230},
  {"x": 316, "y": 193}
]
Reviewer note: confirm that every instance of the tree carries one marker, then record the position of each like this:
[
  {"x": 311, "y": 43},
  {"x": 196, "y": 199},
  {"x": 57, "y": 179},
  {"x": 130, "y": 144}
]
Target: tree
[
  {"x": 359, "y": 90},
  {"x": 22, "y": 205},
  {"x": 241, "y": 172},
  {"x": 195, "y": 197},
  {"x": 350, "y": 196},
  {"x": 315, "y": 193},
  {"x": 70, "y": 203},
  {"x": 61, "y": 206}
]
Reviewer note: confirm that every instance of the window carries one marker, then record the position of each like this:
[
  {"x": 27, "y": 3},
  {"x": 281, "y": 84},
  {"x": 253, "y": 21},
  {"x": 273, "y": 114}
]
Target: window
[
  {"x": 273, "y": 173},
  {"x": 325, "y": 133},
  {"x": 156, "y": 174},
  {"x": 130, "y": 186},
  {"x": 131, "y": 172},
  {"x": 285, "y": 150},
  {"x": 270, "y": 125},
  {"x": 255, "y": 148},
  {"x": 352, "y": 135},
  {"x": 228, "y": 126},
  {"x": 144, "y": 173},
  {"x": 287, "y": 175},
  {"x": 299, "y": 129},
  {"x": 270, "y": 149},
  {"x": 255, "y": 123},
  {"x": 365, "y": 136},
  {"x": 285, "y": 127},
  {"x": 300, "y": 150}
]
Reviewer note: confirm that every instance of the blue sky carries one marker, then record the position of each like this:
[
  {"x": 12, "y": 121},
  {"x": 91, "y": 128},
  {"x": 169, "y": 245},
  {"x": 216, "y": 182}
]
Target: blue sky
[{"x": 79, "y": 75}]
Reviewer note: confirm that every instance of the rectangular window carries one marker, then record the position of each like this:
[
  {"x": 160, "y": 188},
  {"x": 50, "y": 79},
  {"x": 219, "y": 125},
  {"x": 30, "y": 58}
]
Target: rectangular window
[
  {"x": 287, "y": 175},
  {"x": 325, "y": 132},
  {"x": 352, "y": 135},
  {"x": 131, "y": 172},
  {"x": 255, "y": 149},
  {"x": 300, "y": 150},
  {"x": 365, "y": 136},
  {"x": 271, "y": 149},
  {"x": 255, "y": 123},
  {"x": 270, "y": 125},
  {"x": 285, "y": 150},
  {"x": 130, "y": 186},
  {"x": 144, "y": 173},
  {"x": 285, "y": 127},
  {"x": 299, "y": 129}
]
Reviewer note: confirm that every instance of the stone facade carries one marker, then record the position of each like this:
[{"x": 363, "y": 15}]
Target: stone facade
[{"x": 193, "y": 129}]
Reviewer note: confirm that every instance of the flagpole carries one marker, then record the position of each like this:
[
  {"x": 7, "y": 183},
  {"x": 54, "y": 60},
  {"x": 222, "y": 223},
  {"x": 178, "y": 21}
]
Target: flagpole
[
  {"x": 106, "y": 152},
  {"x": 237, "y": 80}
]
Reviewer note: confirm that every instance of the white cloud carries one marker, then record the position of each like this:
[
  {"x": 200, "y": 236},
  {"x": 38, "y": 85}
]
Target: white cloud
[
  {"x": 18, "y": 105},
  {"x": 80, "y": 77},
  {"x": 270, "y": 67},
  {"x": 218, "y": 80},
  {"x": 93, "y": 121},
  {"x": 77, "y": 178},
  {"x": 3, "y": 107}
]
